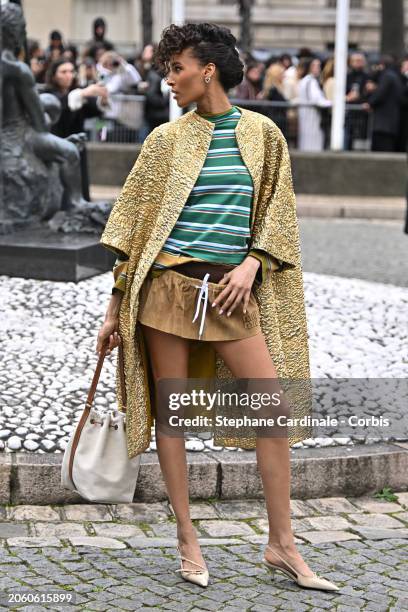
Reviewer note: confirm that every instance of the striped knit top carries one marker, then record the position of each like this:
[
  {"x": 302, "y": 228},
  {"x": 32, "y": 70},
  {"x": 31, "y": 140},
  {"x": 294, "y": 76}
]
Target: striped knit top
[{"x": 214, "y": 224}]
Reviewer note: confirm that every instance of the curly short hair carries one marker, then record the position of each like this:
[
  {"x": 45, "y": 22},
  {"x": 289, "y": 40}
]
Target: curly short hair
[{"x": 209, "y": 43}]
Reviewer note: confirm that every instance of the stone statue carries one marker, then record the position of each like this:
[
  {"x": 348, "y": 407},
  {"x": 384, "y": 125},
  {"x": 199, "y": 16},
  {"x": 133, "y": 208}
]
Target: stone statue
[{"x": 41, "y": 172}]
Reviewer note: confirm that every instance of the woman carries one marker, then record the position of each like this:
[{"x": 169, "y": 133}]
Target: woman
[
  {"x": 55, "y": 47},
  {"x": 210, "y": 193},
  {"x": 251, "y": 86},
  {"x": 311, "y": 100},
  {"x": 327, "y": 79},
  {"x": 328, "y": 83},
  {"x": 274, "y": 92},
  {"x": 76, "y": 105},
  {"x": 37, "y": 60}
]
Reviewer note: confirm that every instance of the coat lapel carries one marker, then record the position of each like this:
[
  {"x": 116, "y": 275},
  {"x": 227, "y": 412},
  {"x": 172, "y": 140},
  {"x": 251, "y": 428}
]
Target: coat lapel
[
  {"x": 251, "y": 146},
  {"x": 191, "y": 140}
]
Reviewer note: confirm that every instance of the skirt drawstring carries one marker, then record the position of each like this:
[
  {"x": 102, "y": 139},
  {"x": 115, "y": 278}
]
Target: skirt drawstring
[{"x": 202, "y": 296}]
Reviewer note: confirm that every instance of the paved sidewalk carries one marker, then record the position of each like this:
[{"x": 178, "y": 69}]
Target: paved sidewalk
[{"x": 123, "y": 557}]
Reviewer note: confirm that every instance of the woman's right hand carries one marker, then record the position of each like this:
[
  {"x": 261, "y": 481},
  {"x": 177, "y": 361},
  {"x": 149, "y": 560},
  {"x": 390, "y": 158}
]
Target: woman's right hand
[
  {"x": 108, "y": 334},
  {"x": 95, "y": 90}
]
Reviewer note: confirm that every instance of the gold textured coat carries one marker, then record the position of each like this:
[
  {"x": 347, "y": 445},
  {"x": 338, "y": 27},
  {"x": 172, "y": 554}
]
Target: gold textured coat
[{"x": 142, "y": 218}]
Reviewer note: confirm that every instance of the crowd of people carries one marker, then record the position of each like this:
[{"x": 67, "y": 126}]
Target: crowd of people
[
  {"x": 299, "y": 91},
  {"x": 303, "y": 87},
  {"x": 88, "y": 84}
]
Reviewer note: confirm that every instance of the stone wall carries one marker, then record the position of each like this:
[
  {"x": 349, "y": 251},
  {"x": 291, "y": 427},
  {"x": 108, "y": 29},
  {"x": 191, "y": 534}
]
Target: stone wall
[{"x": 363, "y": 174}]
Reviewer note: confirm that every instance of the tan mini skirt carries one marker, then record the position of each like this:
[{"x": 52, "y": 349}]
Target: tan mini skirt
[{"x": 179, "y": 304}]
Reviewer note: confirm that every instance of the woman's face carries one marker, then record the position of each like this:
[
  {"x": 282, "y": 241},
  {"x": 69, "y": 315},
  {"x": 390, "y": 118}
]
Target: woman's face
[
  {"x": 186, "y": 77},
  {"x": 64, "y": 76},
  {"x": 147, "y": 55},
  {"x": 55, "y": 54},
  {"x": 315, "y": 67},
  {"x": 254, "y": 74},
  {"x": 68, "y": 55}
]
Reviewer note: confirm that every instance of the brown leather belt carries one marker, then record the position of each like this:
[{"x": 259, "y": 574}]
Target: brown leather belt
[{"x": 197, "y": 269}]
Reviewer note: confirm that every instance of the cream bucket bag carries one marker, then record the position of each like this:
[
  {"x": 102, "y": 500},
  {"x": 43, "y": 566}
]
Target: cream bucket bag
[{"x": 96, "y": 463}]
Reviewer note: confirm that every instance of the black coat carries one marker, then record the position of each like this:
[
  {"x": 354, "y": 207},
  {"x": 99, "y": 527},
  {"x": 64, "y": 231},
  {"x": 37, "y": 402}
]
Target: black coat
[
  {"x": 402, "y": 145},
  {"x": 157, "y": 105},
  {"x": 386, "y": 102},
  {"x": 72, "y": 122},
  {"x": 360, "y": 78},
  {"x": 278, "y": 114}
]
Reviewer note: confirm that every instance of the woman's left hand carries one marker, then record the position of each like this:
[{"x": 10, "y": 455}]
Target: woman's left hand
[{"x": 239, "y": 284}]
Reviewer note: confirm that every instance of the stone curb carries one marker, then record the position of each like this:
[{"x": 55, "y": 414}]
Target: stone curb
[
  {"x": 352, "y": 211},
  {"x": 30, "y": 478}
]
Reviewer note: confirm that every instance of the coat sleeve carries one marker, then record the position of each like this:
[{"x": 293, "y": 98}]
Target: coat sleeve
[
  {"x": 268, "y": 264},
  {"x": 123, "y": 218},
  {"x": 275, "y": 228},
  {"x": 380, "y": 94},
  {"x": 120, "y": 274}
]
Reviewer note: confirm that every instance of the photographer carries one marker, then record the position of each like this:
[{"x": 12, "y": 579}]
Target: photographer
[{"x": 117, "y": 74}]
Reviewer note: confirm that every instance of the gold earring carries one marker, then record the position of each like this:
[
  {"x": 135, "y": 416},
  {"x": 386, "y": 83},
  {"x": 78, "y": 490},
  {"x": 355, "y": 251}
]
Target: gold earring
[{"x": 207, "y": 79}]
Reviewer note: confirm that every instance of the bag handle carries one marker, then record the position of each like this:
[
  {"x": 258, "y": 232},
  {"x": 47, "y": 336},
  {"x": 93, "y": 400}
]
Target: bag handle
[
  {"x": 91, "y": 394},
  {"x": 97, "y": 373}
]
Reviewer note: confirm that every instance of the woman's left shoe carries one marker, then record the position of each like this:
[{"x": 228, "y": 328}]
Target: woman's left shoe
[
  {"x": 310, "y": 582},
  {"x": 193, "y": 575}
]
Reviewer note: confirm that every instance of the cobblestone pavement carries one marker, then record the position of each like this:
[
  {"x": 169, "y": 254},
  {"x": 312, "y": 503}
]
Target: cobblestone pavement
[
  {"x": 48, "y": 331},
  {"x": 123, "y": 557}
]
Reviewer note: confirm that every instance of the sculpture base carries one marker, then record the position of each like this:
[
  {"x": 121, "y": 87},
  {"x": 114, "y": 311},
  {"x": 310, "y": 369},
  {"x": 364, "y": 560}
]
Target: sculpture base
[
  {"x": 43, "y": 254},
  {"x": 15, "y": 225}
]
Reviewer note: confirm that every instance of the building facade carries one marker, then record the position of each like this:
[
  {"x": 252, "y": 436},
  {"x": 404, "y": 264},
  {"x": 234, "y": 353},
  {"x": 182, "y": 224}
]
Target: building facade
[{"x": 276, "y": 24}]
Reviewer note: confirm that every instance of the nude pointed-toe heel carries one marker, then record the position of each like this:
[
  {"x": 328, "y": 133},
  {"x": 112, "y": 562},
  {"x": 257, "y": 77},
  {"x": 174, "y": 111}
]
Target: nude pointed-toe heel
[
  {"x": 310, "y": 582},
  {"x": 196, "y": 576}
]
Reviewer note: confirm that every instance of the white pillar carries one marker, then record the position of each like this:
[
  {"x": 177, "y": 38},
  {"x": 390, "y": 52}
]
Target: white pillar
[
  {"x": 177, "y": 16},
  {"x": 340, "y": 72}
]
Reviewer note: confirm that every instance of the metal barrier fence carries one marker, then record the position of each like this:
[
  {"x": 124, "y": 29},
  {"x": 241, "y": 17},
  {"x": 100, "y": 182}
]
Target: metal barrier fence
[
  {"x": 305, "y": 126},
  {"x": 122, "y": 123}
]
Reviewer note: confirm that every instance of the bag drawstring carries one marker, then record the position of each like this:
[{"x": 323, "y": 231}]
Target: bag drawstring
[{"x": 202, "y": 296}]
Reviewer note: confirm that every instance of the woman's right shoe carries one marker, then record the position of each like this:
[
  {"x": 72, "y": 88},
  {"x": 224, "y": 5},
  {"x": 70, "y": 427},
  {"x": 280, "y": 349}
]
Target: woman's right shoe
[
  {"x": 193, "y": 575},
  {"x": 310, "y": 582}
]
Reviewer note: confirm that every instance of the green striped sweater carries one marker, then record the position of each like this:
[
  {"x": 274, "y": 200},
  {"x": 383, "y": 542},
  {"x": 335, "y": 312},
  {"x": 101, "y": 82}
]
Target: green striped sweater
[{"x": 214, "y": 224}]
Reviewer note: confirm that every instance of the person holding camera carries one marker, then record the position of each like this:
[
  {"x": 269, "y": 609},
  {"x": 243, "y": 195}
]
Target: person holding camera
[{"x": 117, "y": 75}]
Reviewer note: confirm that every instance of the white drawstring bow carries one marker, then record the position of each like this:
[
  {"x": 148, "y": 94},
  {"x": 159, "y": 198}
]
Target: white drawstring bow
[{"x": 202, "y": 296}]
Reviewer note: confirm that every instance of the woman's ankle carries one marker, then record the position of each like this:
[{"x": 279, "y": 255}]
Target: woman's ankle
[
  {"x": 285, "y": 544},
  {"x": 186, "y": 533}
]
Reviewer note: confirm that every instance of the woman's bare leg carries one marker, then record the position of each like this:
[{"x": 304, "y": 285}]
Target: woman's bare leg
[
  {"x": 169, "y": 359},
  {"x": 250, "y": 358}
]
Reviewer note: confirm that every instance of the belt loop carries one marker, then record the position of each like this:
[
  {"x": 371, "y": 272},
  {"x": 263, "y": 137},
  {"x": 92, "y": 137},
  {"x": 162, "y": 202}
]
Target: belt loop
[{"x": 203, "y": 295}]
